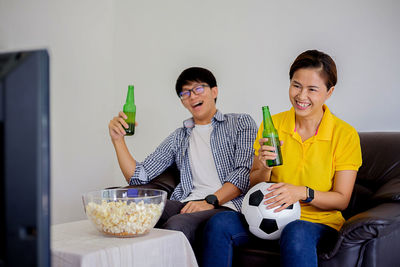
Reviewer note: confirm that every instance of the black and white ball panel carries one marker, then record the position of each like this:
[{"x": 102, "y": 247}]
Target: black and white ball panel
[{"x": 265, "y": 223}]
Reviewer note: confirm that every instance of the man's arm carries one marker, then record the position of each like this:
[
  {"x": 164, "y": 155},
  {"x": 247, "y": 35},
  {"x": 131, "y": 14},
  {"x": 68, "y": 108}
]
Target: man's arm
[
  {"x": 226, "y": 193},
  {"x": 136, "y": 172},
  {"x": 243, "y": 159},
  {"x": 126, "y": 162}
]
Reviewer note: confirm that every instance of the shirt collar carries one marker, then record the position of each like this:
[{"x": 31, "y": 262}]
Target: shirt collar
[
  {"x": 218, "y": 117},
  {"x": 325, "y": 128},
  {"x": 288, "y": 123}
]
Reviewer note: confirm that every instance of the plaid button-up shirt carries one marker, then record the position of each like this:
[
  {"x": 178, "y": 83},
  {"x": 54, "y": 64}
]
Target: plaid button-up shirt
[{"x": 231, "y": 141}]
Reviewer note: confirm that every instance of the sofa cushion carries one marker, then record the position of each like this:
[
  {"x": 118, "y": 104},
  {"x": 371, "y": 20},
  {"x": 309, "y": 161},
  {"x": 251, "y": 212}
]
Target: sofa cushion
[
  {"x": 390, "y": 191},
  {"x": 359, "y": 202}
]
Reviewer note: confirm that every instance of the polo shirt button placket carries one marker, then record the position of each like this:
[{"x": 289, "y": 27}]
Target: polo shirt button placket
[
  {"x": 303, "y": 159},
  {"x": 304, "y": 147}
]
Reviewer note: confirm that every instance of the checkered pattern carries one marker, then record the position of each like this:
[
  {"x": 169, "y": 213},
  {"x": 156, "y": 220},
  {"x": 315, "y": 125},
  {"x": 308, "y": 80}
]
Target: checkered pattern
[{"x": 232, "y": 147}]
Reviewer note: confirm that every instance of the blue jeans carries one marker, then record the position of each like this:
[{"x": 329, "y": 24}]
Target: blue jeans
[{"x": 298, "y": 243}]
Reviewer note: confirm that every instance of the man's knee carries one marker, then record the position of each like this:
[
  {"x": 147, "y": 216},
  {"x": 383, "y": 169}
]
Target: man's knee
[{"x": 183, "y": 223}]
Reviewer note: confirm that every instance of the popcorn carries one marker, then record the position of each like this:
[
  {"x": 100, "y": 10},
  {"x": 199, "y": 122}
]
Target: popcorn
[{"x": 120, "y": 218}]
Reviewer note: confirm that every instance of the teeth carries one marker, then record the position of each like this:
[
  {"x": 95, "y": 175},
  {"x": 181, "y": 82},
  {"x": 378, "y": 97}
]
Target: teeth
[
  {"x": 303, "y": 105},
  {"x": 198, "y": 103}
]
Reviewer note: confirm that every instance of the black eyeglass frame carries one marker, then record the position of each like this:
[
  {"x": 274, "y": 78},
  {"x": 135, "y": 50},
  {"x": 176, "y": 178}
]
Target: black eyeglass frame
[{"x": 197, "y": 90}]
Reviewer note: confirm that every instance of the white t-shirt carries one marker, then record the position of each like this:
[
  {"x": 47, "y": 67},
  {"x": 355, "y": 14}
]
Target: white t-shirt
[{"x": 202, "y": 165}]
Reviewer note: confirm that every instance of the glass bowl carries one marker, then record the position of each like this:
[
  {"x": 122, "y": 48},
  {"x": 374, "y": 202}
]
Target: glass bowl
[{"x": 124, "y": 212}]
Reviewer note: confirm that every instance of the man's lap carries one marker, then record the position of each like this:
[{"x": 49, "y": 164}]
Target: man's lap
[{"x": 188, "y": 223}]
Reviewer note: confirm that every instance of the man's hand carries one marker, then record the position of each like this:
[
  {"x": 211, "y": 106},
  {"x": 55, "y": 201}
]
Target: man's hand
[
  {"x": 194, "y": 206},
  {"x": 116, "y": 126}
]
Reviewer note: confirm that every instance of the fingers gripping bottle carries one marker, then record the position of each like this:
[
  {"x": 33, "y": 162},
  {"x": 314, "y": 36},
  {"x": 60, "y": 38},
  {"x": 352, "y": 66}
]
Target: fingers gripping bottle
[
  {"x": 273, "y": 139},
  {"x": 130, "y": 111}
]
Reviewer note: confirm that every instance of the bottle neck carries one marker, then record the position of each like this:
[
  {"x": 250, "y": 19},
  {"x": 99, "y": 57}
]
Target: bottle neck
[
  {"x": 130, "y": 97},
  {"x": 267, "y": 120}
]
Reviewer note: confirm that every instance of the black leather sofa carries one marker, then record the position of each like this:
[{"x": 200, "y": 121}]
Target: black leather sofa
[{"x": 370, "y": 236}]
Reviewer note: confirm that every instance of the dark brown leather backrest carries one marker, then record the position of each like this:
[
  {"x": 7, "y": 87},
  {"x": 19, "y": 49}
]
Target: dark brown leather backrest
[
  {"x": 166, "y": 181},
  {"x": 378, "y": 179},
  {"x": 381, "y": 158}
]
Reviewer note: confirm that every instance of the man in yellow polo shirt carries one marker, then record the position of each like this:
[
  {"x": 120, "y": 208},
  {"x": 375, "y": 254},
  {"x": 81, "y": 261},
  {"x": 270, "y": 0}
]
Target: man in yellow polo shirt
[{"x": 321, "y": 157}]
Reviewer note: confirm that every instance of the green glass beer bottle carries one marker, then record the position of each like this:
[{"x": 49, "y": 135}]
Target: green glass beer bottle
[
  {"x": 273, "y": 139},
  {"x": 130, "y": 111}
]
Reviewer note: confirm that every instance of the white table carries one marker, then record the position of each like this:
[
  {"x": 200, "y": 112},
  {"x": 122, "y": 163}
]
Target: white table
[{"x": 80, "y": 244}]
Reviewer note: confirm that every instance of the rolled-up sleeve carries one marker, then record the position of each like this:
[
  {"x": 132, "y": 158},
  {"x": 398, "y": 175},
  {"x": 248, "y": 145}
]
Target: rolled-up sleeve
[{"x": 243, "y": 154}]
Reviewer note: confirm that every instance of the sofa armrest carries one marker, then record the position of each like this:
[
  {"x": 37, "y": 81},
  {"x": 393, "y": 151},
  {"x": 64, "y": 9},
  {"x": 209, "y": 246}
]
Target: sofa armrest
[{"x": 373, "y": 223}]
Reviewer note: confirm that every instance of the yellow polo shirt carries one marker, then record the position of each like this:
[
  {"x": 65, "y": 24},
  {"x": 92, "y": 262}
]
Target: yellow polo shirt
[{"x": 313, "y": 163}]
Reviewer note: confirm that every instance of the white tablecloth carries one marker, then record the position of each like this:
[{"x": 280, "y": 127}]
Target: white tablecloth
[{"x": 80, "y": 244}]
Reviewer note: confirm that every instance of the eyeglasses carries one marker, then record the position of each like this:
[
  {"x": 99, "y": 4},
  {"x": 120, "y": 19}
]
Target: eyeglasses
[{"x": 197, "y": 90}]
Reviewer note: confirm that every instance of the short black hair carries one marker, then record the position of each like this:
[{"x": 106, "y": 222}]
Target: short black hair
[{"x": 195, "y": 74}]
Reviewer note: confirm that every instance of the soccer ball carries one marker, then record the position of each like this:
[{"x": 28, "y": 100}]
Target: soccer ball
[{"x": 265, "y": 223}]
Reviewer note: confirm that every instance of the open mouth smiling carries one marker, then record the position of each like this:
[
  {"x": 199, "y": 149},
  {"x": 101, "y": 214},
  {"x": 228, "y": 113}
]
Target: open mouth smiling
[
  {"x": 197, "y": 104},
  {"x": 302, "y": 104}
]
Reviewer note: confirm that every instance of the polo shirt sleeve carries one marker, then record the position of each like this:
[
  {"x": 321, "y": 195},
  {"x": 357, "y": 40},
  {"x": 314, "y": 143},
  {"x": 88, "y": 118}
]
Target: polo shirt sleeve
[{"x": 348, "y": 152}]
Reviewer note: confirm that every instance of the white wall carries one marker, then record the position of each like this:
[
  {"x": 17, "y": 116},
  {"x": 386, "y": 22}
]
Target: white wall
[{"x": 98, "y": 47}]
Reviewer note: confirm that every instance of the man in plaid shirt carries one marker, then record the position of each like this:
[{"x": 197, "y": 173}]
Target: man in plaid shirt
[{"x": 213, "y": 152}]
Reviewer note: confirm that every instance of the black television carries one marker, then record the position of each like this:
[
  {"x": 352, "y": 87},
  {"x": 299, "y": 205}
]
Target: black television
[{"x": 25, "y": 159}]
